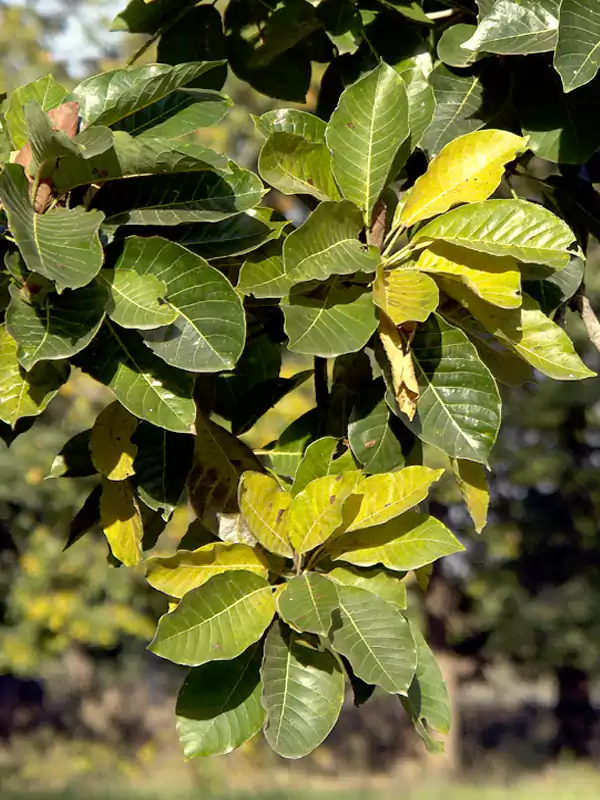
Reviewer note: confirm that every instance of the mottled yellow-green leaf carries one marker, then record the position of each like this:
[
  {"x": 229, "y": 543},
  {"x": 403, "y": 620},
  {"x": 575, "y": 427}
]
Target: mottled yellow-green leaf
[
  {"x": 121, "y": 521},
  {"x": 405, "y": 295},
  {"x": 466, "y": 170},
  {"x": 188, "y": 569},
  {"x": 472, "y": 483},
  {"x": 264, "y": 504},
  {"x": 496, "y": 279},
  {"x": 388, "y": 586},
  {"x": 385, "y": 496},
  {"x": 528, "y": 331},
  {"x": 402, "y": 368},
  {"x": 111, "y": 448},
  {"x": 317, "y": 511}
]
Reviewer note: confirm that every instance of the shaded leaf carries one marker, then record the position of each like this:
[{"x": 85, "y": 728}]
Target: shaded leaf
[
  {"x": 178, "y": 574},
  {"x": 408, "y": 542},
  {"x": 58, "y": 328},
  {"x": 219, "y": 708},
  {"x": 376, "y": 640},
  {"x": 428, "y": 694},
  {"x": 421, "y": 99},
  {"x": 321, "y": 458},
  {"x": 374, "y": 436},
  {"x": 63, "y": 244},
  {"x": 263, "y": 275},
  {"x": 86, "y": 518},
  {"x": 307, "y": 603},
  {"x": 74, "y": 459},
  {"x": 294, "y": 121},
  {"x": 161, "y": 466},
  {"x": 303, "y": 691},
  {"x": 262, "y": 397},
  {"x": 364, "y": 135},
  {"x": 216, "y": 621},
  {"x": 450, "y": 48},
  {"x": 140, "y": 16},
  {"x": 136, "y": 301},
  {"x": 473, "y": 486},
  {"x": 47, "y": 92},
  {"x": 295, "y": 165}
]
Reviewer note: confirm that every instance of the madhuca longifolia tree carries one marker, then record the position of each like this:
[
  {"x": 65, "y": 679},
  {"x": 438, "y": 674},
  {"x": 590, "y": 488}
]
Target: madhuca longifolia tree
[{"x": 442, "y": 239}]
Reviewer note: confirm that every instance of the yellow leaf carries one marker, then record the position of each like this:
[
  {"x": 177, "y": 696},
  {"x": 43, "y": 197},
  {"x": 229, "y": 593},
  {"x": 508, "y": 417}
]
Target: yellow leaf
[
  {"x": 405, "y": 295},
  {"x": 466, "y": 170},
  {"x": 389, "y": 494},
  {"x": 121, "y": 521},
  {"x": 496, "y": 279},
  {"x": 264, "y": 505},
  {"x": 317, "y": 511},
  {"x": 404, "y": 380},
  {"x": 111, "y": 447},
  {"x": 528, "y": 331},
  {"x": 472, "y": 483},
  {"x": 186, "y": 570}
]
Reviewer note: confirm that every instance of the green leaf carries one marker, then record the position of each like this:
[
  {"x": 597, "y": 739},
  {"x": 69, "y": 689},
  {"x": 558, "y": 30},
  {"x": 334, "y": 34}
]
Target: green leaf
[
  {"x": 73, "y": 459},
  {"x": 528, "y": 331},
  {"x": 364, "y": 135},
  {"x": 462, "y": 105},
  {"x": 466, "y": 170},
  {"x": 45, "y": 91},
  {"x": 558, "y": 125},
  {"x": 385, "y": 496},
  {"x": 405, "y": 295},
  {"x": 219, "y": 461},
  {"x": 327, "y": 244},
  {"x": 317, "y": 511},
  {"x": 141, "y": 382},
  {"x": 161, "y": 466},
  {"x": 47, "y": 144},
  {"x": 294, "y": 121},
  {"x": 181, "y": 573},
  {"x": 60, "y": 327},
  {"x": 375, "y": 435},
  {"x": 63, "y": 244},
  {"x": 136, "y": 301},
  {"x": 516, "y": 28},
  {"x": 264, "y": 506},
  {"x": 263, "y": 275},
  {"x": 555, "y": 288},
  {"x": 496, "y": 279},
  {"x": 321, "y": 459},
  {"x": 376, "y": 640},
  {"x": 178, "y": 114},
  {"x": 303, "y": 691},
  {"x": 459, "y": 405},
  {"x": 121, "y": 521},
  {"x": 219, "y": 708},
  {"x": 129, "y": 157},
  {"x": 111, "y": 96},
  {"x": 231, "y": 237},
  {"x": 421, "y": 99},
  {"x": 401, "y": 544},
  {"x": 450, "y": 48},
  {"x": 518, "y": 228},
  {"x": 307, "y": 603},
  {"x": 295, "y": 165},
  {"x": 174, "y": 199},
  {"x": 577, "y": 55},
  {"x": 216, "y": 621},
  {"x": 428, "y": 694},
  {"x": 287, "y": 452},
  {"x": 142, "y": 17},
  {"x": 209, "y": 332},
  {"x": 26, "y": 394},
  {"x": 386, "y": 585},
  {"x": 330, "y": 320}
]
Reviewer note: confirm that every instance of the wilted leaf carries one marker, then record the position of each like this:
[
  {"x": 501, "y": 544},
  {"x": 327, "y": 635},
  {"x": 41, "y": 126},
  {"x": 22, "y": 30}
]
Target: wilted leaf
[
  {"x": 402, "y": 369},
  {"x": 111, "y": 448}
]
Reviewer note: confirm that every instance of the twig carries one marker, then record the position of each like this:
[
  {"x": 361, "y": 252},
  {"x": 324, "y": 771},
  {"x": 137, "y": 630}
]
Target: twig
[
  {"x": 321, "y": 393},
  {"x": 448, "y": 12},
  {"x": 580, "y": 302}
]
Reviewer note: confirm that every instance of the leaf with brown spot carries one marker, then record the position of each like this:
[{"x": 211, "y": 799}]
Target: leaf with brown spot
[{"x": 404, "y": 380}]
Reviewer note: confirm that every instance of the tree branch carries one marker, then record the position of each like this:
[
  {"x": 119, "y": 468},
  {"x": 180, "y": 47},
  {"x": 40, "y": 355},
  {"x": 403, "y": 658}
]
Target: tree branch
[{"x": 321, "y": 393}]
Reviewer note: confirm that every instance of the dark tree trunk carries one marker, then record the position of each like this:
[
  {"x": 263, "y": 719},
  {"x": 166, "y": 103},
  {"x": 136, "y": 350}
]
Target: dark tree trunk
[{"x": 575, "y": 715}]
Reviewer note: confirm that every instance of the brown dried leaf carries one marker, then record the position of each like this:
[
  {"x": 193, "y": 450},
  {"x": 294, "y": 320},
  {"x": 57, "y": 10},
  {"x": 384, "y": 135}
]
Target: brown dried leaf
[{"x": 397, "y": 350}]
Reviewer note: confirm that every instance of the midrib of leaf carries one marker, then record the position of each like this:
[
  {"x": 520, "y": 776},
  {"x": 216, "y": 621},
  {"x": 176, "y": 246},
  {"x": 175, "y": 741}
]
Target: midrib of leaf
[
  {"x": 314, "y": 602},
  {"x": 140, "y": 372},
  {"x": 314, "y": 524},
  {"x": 112, "y": 287},
  {"x": 319, "y": 313},
  {"x": 46, "y": 331},
  {"x": 285, "y": 688},
  {"x": 267, "y": 526},
  {"x": 225, "y": 610},
  {"x": 397, "y": 503},
  {"x": 370, "y": 147},
  {"x": 458, "y": 110},
  {"x": 334, "y": 246}
]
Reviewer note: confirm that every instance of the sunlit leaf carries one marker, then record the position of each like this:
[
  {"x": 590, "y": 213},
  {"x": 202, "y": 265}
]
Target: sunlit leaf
[
  {"x": 516, "y": 28},
  {"x": 121, "y": 521},
  {"x": 307, "y": 603},
  {"x": 321, "y": 458},
  {"x": 294, "y": 165},
  {"x": 136, "y": 301},
  {"x": 405, "y": 294},
  {"x": 386, "y": 585},
  {"x": 45, "y": 91},
  {"x": 111, "y": 448},
  {"x": 264, "y": 506},
  {"x": 577, "y": 55}
]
